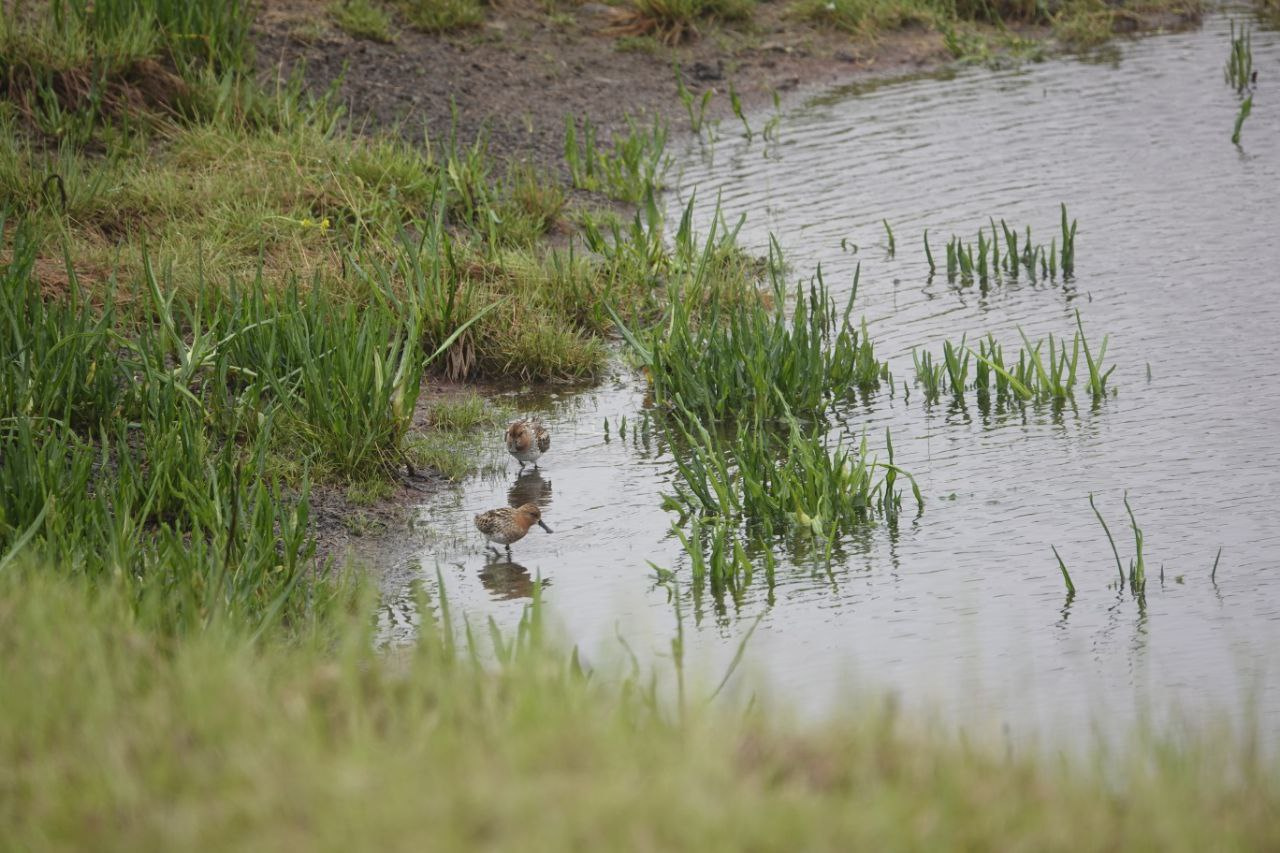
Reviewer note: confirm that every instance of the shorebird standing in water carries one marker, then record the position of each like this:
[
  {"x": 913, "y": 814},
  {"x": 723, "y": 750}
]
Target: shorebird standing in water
[
  {"x": 507, "y": 524},
  {"x": 527, "y": 439}
]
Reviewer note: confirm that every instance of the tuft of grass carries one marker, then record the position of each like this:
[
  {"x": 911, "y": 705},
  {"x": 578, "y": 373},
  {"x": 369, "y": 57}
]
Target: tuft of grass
[
  {"x": 646, "y": 44},
  {"x": 367, "y": 493},
  {"x": 698, "y": 114},
  {"x": 1137, "y": 576},
  {"x": 441, "y": 16},
  {"x": 532, "y": 205},
  {"x": 362, "y": 19},
  {"x": 454, "y": 454},
  {"x": 1246, "y": 107},
  {"x": 632, "y": 165},
  {"x": 467, "y": 411},
  {"x": 1007, "y": 253},
  {"x": 931, "y": 376},
  {"x": 726, "y": 357},
  {"x": 735, "y": 381},
  {"x": 1137, "y": 567},
  {"x": 744, "y": 487},
  {"x": 867, "y": 17},
  {"x": 1045, "y": 370},
  {"x": 1084, "y": 24},
  {"x": 674, "y": 21},
  {"x": 1087, "y": 24},
  {"x": 1239, "y": 68},
  {"x": 455, "y": 444},
  {"x": 1066, "y": 576}
]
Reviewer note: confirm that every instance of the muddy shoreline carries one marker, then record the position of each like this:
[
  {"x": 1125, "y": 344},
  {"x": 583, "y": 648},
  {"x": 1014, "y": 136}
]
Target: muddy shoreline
[{"x": 517, "y": 77}]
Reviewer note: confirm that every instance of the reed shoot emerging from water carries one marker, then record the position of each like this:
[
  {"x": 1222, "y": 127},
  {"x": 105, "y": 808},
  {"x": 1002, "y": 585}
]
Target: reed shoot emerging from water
[
  {"x": 1007, "y": 253},
  {"x": 1048, "y": 369}
]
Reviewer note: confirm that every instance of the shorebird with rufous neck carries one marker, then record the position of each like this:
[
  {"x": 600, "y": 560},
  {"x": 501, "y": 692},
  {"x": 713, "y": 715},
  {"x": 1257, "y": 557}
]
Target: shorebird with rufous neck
[
  {"x": 527, "y": 440},
  {"x": 509, "y": 524}
]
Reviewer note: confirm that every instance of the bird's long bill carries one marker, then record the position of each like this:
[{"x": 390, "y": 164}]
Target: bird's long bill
[{"x": 543, "y": 525}]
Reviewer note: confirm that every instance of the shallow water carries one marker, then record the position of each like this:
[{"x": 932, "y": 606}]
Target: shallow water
[{"x": 963, "y": 609}]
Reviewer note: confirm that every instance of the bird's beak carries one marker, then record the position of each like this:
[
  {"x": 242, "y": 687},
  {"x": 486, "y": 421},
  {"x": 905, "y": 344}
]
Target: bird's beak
[{"x": 543, "y": 525}]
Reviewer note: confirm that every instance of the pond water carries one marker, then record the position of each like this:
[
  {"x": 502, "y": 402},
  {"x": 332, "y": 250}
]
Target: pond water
[{"x": 962, "y": 610}]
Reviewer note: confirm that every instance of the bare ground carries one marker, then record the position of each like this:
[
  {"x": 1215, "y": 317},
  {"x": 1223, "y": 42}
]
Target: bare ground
[{"x": 523, "y": 71}]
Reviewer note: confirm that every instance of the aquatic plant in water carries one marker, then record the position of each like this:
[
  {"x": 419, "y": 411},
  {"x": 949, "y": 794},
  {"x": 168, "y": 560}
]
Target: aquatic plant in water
[
  {"x": 744, "y": 388},
  {"x": 989, "y": 260},
  {"x": 728, "y": 360},
  {"x": 1048, "y": 369},
  {"x": 632, "y": 165},
  {"x": 738, "y": 492},
  {"x": 1239, "y": 74},
  {"x": 1239, "y": 69},
  {"x": 1246, "y": 107}
]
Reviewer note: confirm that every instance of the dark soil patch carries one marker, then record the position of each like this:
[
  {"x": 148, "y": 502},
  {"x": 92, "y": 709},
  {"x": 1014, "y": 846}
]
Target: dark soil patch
[{"x": 523, "y": 71}]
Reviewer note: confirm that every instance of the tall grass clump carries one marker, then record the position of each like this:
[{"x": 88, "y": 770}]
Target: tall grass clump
[
  {"x": 1045, "y": 370},
  {"x": 989, "y": 260},
  {"x": 135, "y": 476},
  {"x": 674, "y": 21},
  {"x": 745, "y": 389},
  {"x": 1246, "y": 107},
  {"x": 631, "y": 166},
  {"x": 69, "y": 66},
  {"x": 867, "y": 17},
  {"x": 440, "y": 16},
  {"x": 730, "y": 361},
  {"x": 362, "y": 19},
  {"x": 1238, "y": 72},
  {"x": 149, "y": 450},
  {"x": 60, "y": 360}
]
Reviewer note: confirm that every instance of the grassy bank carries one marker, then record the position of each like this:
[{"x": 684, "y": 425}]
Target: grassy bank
[
  {"x": 114, "y": 737},
  {"x": 121, "y": 146},
  {"x": 218, "y": 292}
]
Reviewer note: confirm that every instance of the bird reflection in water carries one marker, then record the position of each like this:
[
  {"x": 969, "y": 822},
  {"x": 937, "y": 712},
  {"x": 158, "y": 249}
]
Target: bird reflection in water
[
  {"x": 530, "y": 488},
  {"x": 506, "y": 580}
]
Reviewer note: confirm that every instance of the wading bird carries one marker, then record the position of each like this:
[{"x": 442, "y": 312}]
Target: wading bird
[
  {"x": 509, "y": 524},
  {"x": 527, "y": 439}
]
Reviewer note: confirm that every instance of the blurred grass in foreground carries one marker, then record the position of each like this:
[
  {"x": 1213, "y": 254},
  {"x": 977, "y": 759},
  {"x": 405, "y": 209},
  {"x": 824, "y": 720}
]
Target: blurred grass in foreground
[{"x": 116, "y": 737}]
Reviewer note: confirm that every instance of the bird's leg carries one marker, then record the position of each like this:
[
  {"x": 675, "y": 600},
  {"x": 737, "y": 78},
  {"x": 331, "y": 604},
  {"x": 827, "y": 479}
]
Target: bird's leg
[{"x": 508, "y": 552}]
